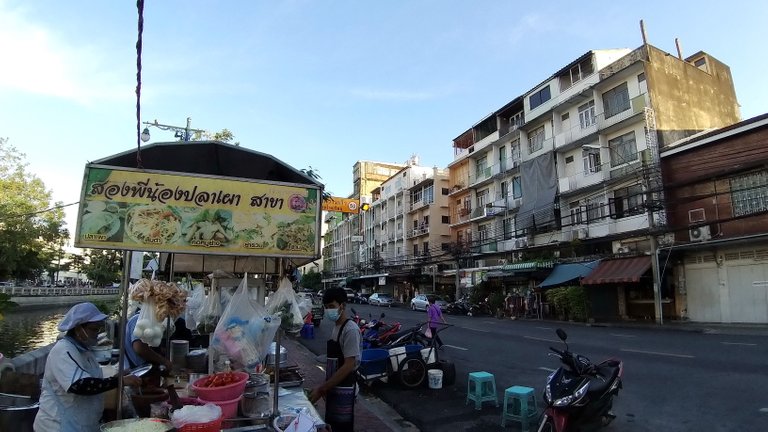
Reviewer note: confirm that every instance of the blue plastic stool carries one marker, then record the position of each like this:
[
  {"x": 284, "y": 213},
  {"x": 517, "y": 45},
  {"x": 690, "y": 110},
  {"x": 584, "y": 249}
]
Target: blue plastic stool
[
  {"x": 308, "y": 331},
  {"x": 483, "y": 390},
  {"x": 523, "y": 406}
]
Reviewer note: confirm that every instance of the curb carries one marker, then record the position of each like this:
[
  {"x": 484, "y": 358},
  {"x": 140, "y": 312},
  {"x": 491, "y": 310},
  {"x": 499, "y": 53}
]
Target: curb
[{"x": 703, "y": 328}]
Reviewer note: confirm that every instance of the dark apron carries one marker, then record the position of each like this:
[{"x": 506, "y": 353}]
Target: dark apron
[{"x": 340, "y": 400}]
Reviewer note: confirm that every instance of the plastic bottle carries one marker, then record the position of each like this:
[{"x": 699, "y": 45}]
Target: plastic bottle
[{"x": 227, "y": 367}]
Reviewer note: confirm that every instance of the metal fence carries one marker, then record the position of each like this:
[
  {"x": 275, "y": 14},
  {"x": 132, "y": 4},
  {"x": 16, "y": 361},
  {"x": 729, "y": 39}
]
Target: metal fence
[{"x": 56, "y": 291}]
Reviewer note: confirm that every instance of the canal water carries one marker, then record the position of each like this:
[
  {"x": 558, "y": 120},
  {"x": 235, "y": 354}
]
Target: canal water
[{"x": 22, "y": 331}]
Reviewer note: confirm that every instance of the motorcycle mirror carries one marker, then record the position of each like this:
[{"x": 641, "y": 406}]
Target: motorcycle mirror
[{"x": 561, "y": 334}]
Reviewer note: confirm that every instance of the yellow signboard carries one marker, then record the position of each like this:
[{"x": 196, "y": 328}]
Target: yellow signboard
[
  {"x": 344, "y": 205},
  {"x": 153, "y": 211}
]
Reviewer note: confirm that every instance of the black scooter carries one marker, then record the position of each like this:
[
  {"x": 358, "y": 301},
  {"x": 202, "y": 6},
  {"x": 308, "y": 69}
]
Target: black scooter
[{"x": 579, "y": 395}]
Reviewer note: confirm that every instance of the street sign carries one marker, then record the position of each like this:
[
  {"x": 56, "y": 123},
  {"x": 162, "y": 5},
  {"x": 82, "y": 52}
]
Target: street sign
[{"x": 344, "y": 205}]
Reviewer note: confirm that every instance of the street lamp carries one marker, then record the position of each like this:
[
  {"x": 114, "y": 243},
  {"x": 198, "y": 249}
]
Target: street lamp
[
  {"x": 184, "y": 133},
  {"x": 651, "y": 235}
]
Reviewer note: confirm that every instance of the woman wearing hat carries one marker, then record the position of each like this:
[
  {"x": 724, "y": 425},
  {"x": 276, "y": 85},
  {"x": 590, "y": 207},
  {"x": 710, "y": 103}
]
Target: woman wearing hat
[{"x": 72, "y": 386}]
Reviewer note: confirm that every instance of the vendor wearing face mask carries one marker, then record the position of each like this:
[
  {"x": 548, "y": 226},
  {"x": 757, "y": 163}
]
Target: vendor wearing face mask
[
  {"x": 343, "y": 353},
  {"x": 72, "y": 387}
]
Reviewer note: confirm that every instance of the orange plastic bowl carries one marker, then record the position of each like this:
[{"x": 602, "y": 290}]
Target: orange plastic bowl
[{"x": 225, "y": 393}]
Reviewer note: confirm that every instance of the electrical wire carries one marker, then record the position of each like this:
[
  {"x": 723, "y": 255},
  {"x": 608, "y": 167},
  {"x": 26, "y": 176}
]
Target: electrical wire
[{"x": 11, "y": 216}]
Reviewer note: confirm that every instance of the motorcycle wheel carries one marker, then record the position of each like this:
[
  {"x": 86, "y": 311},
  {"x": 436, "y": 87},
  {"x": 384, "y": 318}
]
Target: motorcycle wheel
[
  {"x": 412, "y": 372},
  {"x": 547, "y": 426}
]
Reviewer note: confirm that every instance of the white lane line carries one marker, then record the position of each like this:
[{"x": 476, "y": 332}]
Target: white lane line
[
  {"x": 483, "y": 331},
  {"x": 623, "y": 335},
  {"x": 490, "y": 322},
  {"x": 544, "y": 328},
  {"x": 456, "y": 347},
  {"x": 738, "y": 343},
  {"x": 547, "y": 369},
  {"x": 541, "y": 339},
  {"x": 657, "y": 353}
]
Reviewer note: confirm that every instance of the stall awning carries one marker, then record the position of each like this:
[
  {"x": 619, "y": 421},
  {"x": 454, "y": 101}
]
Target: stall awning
[
  {"x": 625, "y": 270},
  {"x": 564, "y": 273}
]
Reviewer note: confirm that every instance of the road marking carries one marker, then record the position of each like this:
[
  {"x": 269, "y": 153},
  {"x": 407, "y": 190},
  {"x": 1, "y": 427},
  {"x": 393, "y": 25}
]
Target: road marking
[
  {"x": 541, "y": 339},
  {"x": 490, "y": 322},
  {"x": 483, "y": 331},
  {"x": 544, "y": 328},
  {"x": 738, "y": 343},
  {"x": 547, "y": 369},
  {"x": 763, "y": 410},
  {"x": 622, "y": 335},
  {"x": 456, "y": 347},
  {"x": 657, "y": 353}
]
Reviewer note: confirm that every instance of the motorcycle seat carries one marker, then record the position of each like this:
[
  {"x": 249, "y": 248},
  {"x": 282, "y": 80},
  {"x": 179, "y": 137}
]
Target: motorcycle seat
[{"x": 603, "y": 377}]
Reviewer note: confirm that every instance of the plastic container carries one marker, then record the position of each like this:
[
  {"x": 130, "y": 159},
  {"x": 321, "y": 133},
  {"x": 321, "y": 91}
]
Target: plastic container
[
  {"x": 435, "y": 377},
  {"x": 228, "y": 407},
  {"x": 373, "y": 361},
  {"x": 225, "y": 393},
  {"x": 211, "y": 426}
]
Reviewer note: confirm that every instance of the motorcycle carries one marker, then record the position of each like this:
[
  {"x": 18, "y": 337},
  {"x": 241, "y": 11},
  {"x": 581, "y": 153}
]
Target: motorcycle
[
  {"x": 459, "y": 307},
  {"x": 378, "y": 333},
  {"x": 579, "y": 395}
]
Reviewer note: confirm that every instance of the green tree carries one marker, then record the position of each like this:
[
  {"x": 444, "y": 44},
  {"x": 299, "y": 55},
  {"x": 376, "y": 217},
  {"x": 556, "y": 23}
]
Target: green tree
[
  {"x": 312, "y": 280},
  {"x": 5, "y": 304},
  {"x": 224, "y": 135},
  {"x": 30, "y": 225},
  {"x": 102, "y": 266}
]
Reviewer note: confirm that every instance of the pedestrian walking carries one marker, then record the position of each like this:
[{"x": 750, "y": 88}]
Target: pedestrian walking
[
  {"x": 435, "y": 315},
  {"x": 343, "y": 357}
]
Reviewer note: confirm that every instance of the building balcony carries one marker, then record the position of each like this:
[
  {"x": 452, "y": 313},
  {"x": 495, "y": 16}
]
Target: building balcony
[
  {"x": 582, "y": 180},
  {"x": 418, "y": 205},
  {"x": 461, "y": 216},
  {"x": 608, "y": 226},
  {"x": 482, "y": 175},
  {"x": 417, "y": 232},
  {"x": 575, "y": 136},
  {"x": 509, "y": 164},
  {"x": 458, "y": 188},
  {"x": 618, "y": 120}
]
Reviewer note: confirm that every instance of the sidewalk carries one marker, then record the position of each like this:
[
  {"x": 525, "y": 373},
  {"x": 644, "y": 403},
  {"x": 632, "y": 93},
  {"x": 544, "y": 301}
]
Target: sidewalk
[
  {"x": 740, "y": 329},
  {"x": 371, "y": 414}
]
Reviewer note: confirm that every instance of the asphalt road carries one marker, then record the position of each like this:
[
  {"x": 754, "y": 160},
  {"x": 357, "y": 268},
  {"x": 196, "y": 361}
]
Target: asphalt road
[{"x": 673, "y": 380}]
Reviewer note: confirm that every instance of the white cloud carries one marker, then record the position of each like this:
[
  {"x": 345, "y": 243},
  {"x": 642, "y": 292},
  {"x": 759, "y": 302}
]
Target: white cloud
[{"x": 38, "y": 61}]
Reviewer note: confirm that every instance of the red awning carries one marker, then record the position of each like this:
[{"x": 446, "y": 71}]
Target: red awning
[{"x": 624, "y": 270}]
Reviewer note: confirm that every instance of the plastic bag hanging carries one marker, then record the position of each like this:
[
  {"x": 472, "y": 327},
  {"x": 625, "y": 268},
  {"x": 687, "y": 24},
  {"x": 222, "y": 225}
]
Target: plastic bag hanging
[{"x": 284, "y": 302}]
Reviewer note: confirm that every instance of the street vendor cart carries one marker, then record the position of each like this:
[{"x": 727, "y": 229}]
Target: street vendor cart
[{"x": 205, "y": 205}]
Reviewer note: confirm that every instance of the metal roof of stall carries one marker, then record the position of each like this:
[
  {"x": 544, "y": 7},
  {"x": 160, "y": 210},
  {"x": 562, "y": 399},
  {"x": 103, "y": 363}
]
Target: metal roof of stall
[{"x": 214, "y": 158}]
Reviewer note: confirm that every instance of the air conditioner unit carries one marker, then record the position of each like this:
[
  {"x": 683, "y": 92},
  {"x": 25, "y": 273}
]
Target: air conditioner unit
[
  {"x": 521, "y": 243},
  {"x": 699, "y": 234},
  {"x": 622, "y": 250}
]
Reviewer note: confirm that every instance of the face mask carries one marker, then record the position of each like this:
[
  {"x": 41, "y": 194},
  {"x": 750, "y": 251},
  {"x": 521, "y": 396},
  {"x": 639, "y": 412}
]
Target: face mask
[
  {"x": 89, "y": 341},
  {"x": 332, "y": 314}
]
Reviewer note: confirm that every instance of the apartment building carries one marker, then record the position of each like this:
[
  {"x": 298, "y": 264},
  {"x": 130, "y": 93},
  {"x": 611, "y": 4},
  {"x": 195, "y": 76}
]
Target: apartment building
[{"x": 571, "y": 168}]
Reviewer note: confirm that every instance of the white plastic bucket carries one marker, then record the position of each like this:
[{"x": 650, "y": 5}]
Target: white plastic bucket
[{"x": 435, "y": 379}]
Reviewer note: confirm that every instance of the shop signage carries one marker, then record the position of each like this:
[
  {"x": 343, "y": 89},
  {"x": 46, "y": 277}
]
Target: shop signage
[{"x": 129, "y": 209}]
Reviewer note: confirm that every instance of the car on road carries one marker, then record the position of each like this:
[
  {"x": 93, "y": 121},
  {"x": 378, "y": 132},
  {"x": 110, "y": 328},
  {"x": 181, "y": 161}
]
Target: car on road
[
  {"x": 381, "y": 299},
  {"x": 421, "y": 302},
  {"x": 360, "y": 298}
]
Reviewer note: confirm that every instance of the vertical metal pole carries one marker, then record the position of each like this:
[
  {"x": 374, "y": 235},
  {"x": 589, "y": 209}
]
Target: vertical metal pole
[
  {"x": 275, "y": 398},
  {"x": 168, "y": 320},
  {"x": 123, "y": 313},
  {"x": 654, "y": 255},
  {"x": 186, "y": 131}
]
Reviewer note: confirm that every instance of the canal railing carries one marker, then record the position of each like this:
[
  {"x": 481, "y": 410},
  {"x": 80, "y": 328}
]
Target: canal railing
[{"x": 56, "y": 291}]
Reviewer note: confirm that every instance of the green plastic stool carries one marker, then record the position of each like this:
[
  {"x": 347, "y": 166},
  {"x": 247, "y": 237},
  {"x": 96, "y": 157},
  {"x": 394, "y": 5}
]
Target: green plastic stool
[
  {"x": 523, "y": 406},
  {"x": 483, "y": 390}
]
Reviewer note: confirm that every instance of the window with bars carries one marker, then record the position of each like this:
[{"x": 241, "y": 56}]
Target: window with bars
[
  {"x": 749, "y": 193},
  {"x": 508, "y": 227},
  {"x": 539, "y": 97},
  {"x": 536, "y": 139},
  {"x": 591, "y": 161},
  {"x": 577, "y": 213},
  {"x": 595, "y": 208},
  {"x": 429, "y": 194},
  {"x": 616, "y": 100},
  {"x": 517, "y": 187},
  {"x": 482, "y": 197},
  {"x": 587, "y": 114},
  {"x": 627, "y": 202},
  {"x": 623, "y": 149}
]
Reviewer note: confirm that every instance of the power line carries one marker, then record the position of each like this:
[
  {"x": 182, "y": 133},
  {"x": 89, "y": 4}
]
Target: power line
[{"x": 11, "y": 216}]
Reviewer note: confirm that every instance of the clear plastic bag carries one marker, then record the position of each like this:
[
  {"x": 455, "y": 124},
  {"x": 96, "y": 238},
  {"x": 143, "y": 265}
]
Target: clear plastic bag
[
  {"x": 242, "y": 330},
  {"x": 148, "y": 328},
  {"x": 193, "y": 414},
  {"x": 194, "y": 304},
  {"x": 284, "y": 302},
  {"x": 208, "y": 316}
]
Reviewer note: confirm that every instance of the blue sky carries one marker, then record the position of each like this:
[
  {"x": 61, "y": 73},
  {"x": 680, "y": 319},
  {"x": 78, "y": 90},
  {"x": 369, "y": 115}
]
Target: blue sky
[{"x": 319, "y": 83}]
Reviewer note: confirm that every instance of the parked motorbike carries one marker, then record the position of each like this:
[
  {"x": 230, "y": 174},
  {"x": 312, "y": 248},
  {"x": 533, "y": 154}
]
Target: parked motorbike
[
  {"x": 378, "y": 333},
  {"x": 482, "y": 308},
  {"x": 459, "y": 307},
  {"x": 579, "y": 394}
]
